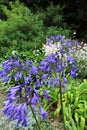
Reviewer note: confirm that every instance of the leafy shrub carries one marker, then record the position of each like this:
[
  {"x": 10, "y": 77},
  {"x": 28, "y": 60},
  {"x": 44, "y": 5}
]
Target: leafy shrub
[
  {"x": 52, "y": 16},
  {"x": 53, "y": 20},
  {"x": 21, "y": 31},
  {"x": 58, "y": 30}
]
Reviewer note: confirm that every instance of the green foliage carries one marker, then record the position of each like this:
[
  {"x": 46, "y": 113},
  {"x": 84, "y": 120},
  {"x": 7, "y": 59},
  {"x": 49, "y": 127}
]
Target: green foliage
[
  {"x": 74, "y": 113},
  {"x": 54, "y": 23},
  {"x": 52, "y": 16},
  {"x": 71, "y": 12},
  {"x": 82, "y": 65},
  {"x": 76, "y": 124},
  {"x": 21, "y": 31},
  {"x": 74, "y": 106},
  {"x": 57, "y": 31},
  {"x": 35, "y": 55},
  {"x": 54, "y": 95}
]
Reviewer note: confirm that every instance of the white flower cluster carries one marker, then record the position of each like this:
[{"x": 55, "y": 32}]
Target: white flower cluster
[
  {"x": 51, "y": 47},
  {"x": 36, "y": 52},
  {"x": 80, "y": 50},
  {"x": 81, "y": 53}
]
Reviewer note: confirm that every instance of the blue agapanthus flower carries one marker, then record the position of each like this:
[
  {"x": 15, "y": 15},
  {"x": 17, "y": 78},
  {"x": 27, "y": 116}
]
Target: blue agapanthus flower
[
  {"x": 43, "y": 114},
  {"x": 25, "y": 91}
]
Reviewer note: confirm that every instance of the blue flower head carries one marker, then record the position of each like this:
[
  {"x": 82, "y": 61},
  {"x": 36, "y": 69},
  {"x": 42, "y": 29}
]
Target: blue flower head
[
  {"x": 43, "y": 114},
  {"x": 35, "y": 99},
  {"x": 73, "y": 74}
]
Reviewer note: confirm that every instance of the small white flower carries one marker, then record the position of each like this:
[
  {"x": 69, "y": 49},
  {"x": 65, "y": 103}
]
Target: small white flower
[
  {"x": 82, "y": 42},
  {"x": 37, "y": 50},
  {"x": 74, "y": 32},
  {"x": 14, "y": 52}
]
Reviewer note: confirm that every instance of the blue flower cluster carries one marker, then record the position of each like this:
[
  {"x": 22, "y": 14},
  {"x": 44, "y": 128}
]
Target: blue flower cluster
[
  {"x": 28, "y": 78},
  {"x": 23, "y": 76},
  {"x": 55, "y": 64}
]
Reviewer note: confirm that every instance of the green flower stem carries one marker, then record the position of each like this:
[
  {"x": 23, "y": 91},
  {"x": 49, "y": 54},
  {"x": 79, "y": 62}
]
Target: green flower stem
[
  {"x": 61, "y": 102},
  {"x": 35, "y": 118}
]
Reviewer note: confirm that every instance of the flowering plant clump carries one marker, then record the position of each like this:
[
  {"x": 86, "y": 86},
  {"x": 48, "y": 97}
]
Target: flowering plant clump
[
  {"x": 53, "y": 44},
  {"x": 59, "y": 58},
  {"x": 24, "y": 90},
  {"x": 81, "y": 53},
  {"x": 28, "y": 78}
]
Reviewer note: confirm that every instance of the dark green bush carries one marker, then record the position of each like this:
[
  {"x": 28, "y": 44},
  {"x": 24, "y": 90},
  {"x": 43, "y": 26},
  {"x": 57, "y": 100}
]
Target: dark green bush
[
  {"x": 53, "y": 21},
  {"x": 52, "y": 16}
]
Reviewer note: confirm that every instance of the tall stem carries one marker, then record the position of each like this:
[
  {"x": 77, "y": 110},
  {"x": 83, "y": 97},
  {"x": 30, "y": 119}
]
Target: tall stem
[
  {"x": 61, "y": 102},
  {"x": 35, "y": 118}
]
